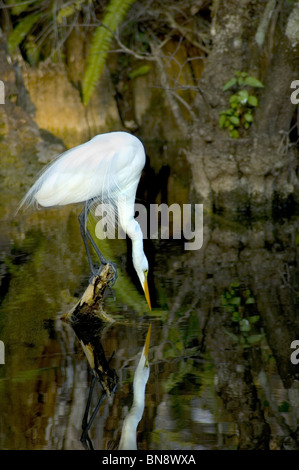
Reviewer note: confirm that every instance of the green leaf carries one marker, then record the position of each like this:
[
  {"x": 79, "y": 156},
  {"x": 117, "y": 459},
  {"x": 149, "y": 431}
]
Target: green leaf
[
  {"x": 243, "y": 96},
  {"x": 254, "y": 318},
  {"x": 252, "y": 100},
  {"x": 235, "y": 284},
  {"x": 234, "y": 134},
  {"x": 20, "y": 31},
  {"x": 229, "y": 84},
  {"x": 254, "y": 82},
  {"x": 100, "y": 45},
  {"x": 250, "y": 300},
  {"x": 236, "y": 301},
  {"x": 245, "y": 325},
  {"x": 235, "y": 120},
  {"x": 143, "y": 70},
  {"x": 248, "y": 117},
  {"x": 234, "y": 99},
  {"x": 253, "y": 339},
  {"x": 236, "y": 317}
]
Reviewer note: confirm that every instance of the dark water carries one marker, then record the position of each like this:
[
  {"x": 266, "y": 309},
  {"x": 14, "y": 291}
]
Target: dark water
[{"x": 223, "y": 321}]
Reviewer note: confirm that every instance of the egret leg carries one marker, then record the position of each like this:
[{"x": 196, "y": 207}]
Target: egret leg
[
  {"x": 86, "y": 425},
  {"x": 85, "y": 417},
  {"x": 85, "y": 439},
  {"x": 86, "y": 236}
]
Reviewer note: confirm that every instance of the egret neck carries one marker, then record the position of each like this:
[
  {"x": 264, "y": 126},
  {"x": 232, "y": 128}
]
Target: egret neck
[{"x": 139, "y": 259}]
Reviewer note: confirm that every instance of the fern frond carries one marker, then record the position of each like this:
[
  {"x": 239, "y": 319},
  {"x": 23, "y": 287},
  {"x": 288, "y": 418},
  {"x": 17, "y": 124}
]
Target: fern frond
[
  {"x": 114, "y": 15},
  {"x": 21, "y": 30}
]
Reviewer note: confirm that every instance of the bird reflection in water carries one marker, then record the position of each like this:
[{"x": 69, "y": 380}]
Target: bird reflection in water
[
  {"x": 128, "y": 436},
  {"x": 89, "y": 331}
]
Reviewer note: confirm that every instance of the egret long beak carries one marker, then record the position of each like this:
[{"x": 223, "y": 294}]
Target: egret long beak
[
  {"x": 147, "y": 343},
  {"x": 146, "y": 293}
]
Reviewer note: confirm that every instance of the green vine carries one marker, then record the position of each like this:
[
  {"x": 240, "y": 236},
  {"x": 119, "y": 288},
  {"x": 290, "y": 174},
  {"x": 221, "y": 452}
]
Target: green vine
[{"x": 242, "y": 103}]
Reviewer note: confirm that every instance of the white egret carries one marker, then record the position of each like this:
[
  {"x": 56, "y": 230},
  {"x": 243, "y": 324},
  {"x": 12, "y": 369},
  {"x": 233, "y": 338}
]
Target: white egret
[
  {"x": 104, "y": 170},
  {"x": 128, "y": 439}
]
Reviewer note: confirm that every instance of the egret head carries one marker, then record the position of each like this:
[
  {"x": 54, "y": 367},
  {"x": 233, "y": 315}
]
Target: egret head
[{"x": 141, "y": 267}]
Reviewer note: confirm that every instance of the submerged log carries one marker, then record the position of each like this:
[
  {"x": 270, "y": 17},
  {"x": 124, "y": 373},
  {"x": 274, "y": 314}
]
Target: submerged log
[{"x": 90, "y": 304}]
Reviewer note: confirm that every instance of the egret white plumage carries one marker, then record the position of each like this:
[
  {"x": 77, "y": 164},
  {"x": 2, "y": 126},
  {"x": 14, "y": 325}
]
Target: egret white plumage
[
  {"x": 104, "y": 170},
  {"x": 128, "y": 436}
]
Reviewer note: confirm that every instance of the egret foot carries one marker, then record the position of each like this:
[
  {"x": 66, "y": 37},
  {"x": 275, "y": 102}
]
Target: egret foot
[{"x": 96, "y": 272}]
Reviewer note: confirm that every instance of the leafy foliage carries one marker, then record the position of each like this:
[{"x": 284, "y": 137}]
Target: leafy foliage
[
  {"x": 242, "y": 104},
  {"x": 240, "y": 303},
  {"x": 103, "y": 36}
]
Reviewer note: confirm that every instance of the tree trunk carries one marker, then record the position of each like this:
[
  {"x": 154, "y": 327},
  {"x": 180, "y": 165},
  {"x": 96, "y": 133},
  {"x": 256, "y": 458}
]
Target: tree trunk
[{"x": 256, "y": 172}]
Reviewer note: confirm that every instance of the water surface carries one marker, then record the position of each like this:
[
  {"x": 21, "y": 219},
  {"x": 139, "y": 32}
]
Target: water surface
[{"x": 223, "y": 320}]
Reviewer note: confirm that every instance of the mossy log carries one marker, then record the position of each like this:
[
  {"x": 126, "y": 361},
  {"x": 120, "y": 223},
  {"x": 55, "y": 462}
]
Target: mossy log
[{"x": 90, "y": 304}]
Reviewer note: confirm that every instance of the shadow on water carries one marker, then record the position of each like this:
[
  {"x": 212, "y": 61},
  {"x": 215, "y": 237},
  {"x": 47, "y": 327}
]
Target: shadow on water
[{"x": 222, "y": 327}]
